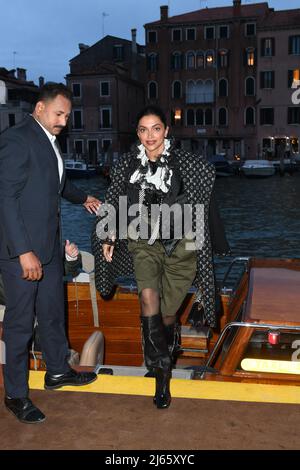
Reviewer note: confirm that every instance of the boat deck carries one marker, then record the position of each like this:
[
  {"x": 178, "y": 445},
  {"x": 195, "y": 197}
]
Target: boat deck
[{"x": 108, "y": 421}]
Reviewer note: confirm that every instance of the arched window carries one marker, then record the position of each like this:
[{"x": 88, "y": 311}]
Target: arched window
[
  {"x": 191, "y": 91},
  {"x": 250, "y": 116},
  {"x": 209, "y": 59},
  {"x": 177, "y": 89},
  {"x": 199, "y": 60},
  {"x": 223, "y": 87},
  {"x": 190, "y": 117},
  {"x": 190, "y": 60},
  {"x": 222, "y": 116},
  {"x": 250, "y": 56},
  {"x": 250, "y": 86},
  {"x": 152, "y": 90},
  {"x": 152, "y": 64},
  {"x": 223, "y": 58},
  {"x": 208, "y": 91},
  {"x": 199, "y": 117},
  {"x": 177, "y": 60},
  {"x": 208, "y": 117}
]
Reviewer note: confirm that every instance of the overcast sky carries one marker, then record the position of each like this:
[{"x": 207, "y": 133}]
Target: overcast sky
[{"x": 43, "y": 35}]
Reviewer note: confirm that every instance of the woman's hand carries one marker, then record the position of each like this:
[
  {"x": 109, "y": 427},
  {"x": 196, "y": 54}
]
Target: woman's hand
[{"x": 108, "y": 249}]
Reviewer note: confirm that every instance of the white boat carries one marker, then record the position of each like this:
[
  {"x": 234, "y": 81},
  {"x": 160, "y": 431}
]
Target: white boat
[
  {"x": 79, "y": 169},
  {"x": 258, "y": 168}
]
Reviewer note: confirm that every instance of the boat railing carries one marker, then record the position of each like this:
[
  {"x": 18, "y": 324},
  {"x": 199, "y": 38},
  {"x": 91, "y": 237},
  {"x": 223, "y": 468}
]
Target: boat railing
[
  {"x": 239, "y": 259},
  {"x": 262, "y": 326}
]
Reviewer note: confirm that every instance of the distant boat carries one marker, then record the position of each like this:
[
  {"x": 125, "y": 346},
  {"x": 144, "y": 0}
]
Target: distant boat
[
  {"x": 79, "y": 169},
  {"x": 221, "y": 164},
  {"x": 288, "y": 165},
  {"x": 258, "y": 168}
]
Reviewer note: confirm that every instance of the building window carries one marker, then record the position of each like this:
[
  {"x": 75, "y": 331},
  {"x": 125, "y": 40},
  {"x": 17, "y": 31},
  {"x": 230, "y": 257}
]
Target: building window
[
  {"x": 222, "y": 117},
  {"x": 250, "y": 86},
  {"x": 104, "y": 89},
  {"x": 152, "y": 62},
  {"x": 294, "y": 115},
  {"x": 190, "y": 60},
  {"x": 152, "y": 90},
  {"x": 200, "y": 60},
  {"x": 294, "y": 44},
  {"x": 267, "y": 116},
  {"x": 250, "y": 29},
  {"x": 177, "y": 90},
  {"x": 209, "y": 59},
  {"x": 118, "y": 52},
  {"x": 223, "y": 87},
  {"x": 76, "y": 90},
  {"x": 223, "y": 32},
  {"x": 200, "y": 92},
  {"x": 250, "y": 116},
  {"x": 208, "y": 117},
  {"x": 267, "y": 79},
  {"x": 199, "y": 117},
  {"x": 105, "y": 118},
  {"x": 223, "y": 58},
  {"x": 176, "y": 117},
  {"x": 190, "y": 34},
  {"x": 77, "y": 119},
  {"x": 78, "y": 147},
  {"x": 11, "y": 119},
  {"x": 152, "y": 37},
  {"x": 209, "y": 32},
  {"x": 267, "y": 47},
  {"x": 106, "y": 143},
  {"x": 250, "y": 57},
  {"x": 176, "y": 35},
  {"x": 176, "y": 61},
  {"x": 190, "y": 117},
  {"x": 293, "y": 78}
]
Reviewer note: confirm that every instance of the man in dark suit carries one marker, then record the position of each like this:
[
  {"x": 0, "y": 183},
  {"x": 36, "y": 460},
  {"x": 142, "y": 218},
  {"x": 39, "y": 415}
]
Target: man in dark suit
[{"x": 32, "y": 181}]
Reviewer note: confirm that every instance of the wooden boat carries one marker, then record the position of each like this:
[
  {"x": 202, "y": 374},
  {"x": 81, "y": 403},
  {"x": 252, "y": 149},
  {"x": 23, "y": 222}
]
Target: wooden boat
[{"x": 258, "y": 340}]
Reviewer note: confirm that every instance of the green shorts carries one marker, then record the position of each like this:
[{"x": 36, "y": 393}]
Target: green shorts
[{"x": 171, "y": 276}]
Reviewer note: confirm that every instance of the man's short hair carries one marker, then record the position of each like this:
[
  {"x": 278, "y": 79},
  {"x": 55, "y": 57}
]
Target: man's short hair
[{"x": 51, "y": 90}]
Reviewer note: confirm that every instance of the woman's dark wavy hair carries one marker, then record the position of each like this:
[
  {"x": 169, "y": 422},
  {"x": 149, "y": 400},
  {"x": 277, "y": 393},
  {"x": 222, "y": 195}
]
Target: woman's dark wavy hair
[{"x": 152, "y": 110}]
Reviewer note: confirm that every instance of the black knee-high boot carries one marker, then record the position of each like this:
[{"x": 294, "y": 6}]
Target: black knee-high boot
[
  {"x": 172, "y": 333},
  {"x": 157, "y": 357}
]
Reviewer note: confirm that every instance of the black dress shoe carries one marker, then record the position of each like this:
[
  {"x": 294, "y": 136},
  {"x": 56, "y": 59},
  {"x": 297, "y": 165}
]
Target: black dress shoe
[
  {"x": 24, "y": 410},
  {"x": 70, "y": 378}
]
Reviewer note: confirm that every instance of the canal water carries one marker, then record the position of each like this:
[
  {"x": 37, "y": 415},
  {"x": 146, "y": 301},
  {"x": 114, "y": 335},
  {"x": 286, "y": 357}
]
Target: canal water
[{"x": 261, "y": 216}]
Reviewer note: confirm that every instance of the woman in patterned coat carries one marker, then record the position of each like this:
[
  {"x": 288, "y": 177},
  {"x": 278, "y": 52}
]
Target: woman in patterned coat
[{"x": 166, "y": 254}]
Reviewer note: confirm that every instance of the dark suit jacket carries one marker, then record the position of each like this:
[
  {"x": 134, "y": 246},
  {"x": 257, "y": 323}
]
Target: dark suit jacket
[{"x": 30, "y": 192}]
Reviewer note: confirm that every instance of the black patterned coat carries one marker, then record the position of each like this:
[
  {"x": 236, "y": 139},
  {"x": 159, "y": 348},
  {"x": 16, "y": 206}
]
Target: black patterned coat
[{"x": 198, "y": 178}]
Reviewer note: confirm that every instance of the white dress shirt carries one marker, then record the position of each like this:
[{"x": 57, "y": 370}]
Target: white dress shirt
[{"x": 52, "y": 139}]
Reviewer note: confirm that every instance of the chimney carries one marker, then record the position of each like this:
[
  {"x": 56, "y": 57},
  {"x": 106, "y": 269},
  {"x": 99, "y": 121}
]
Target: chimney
[
  {"x": 21, "y": 74},
  {"x": 134, "y": 73},
  {"x": 11, "y": 73},
  {"x": 164, "y": 13},
  {"x": 237, "y": 3},
  {"x": 41, "y": 81},
  {"x": 82, "y": 47},
  {"x": 133, "y": 39}
]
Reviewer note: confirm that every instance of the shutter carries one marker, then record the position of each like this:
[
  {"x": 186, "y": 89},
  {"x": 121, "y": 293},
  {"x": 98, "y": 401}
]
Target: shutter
[
  {"x": 172, "y": 62},
  {"x": 272, "y": 79},
  {"x": 262, "y": 47},
  {"x": 261, "y": 83},
  {"x": 273, "y": 46}
]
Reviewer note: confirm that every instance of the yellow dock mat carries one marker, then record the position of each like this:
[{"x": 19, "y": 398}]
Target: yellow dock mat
[{"x": 182, "y": 388}]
